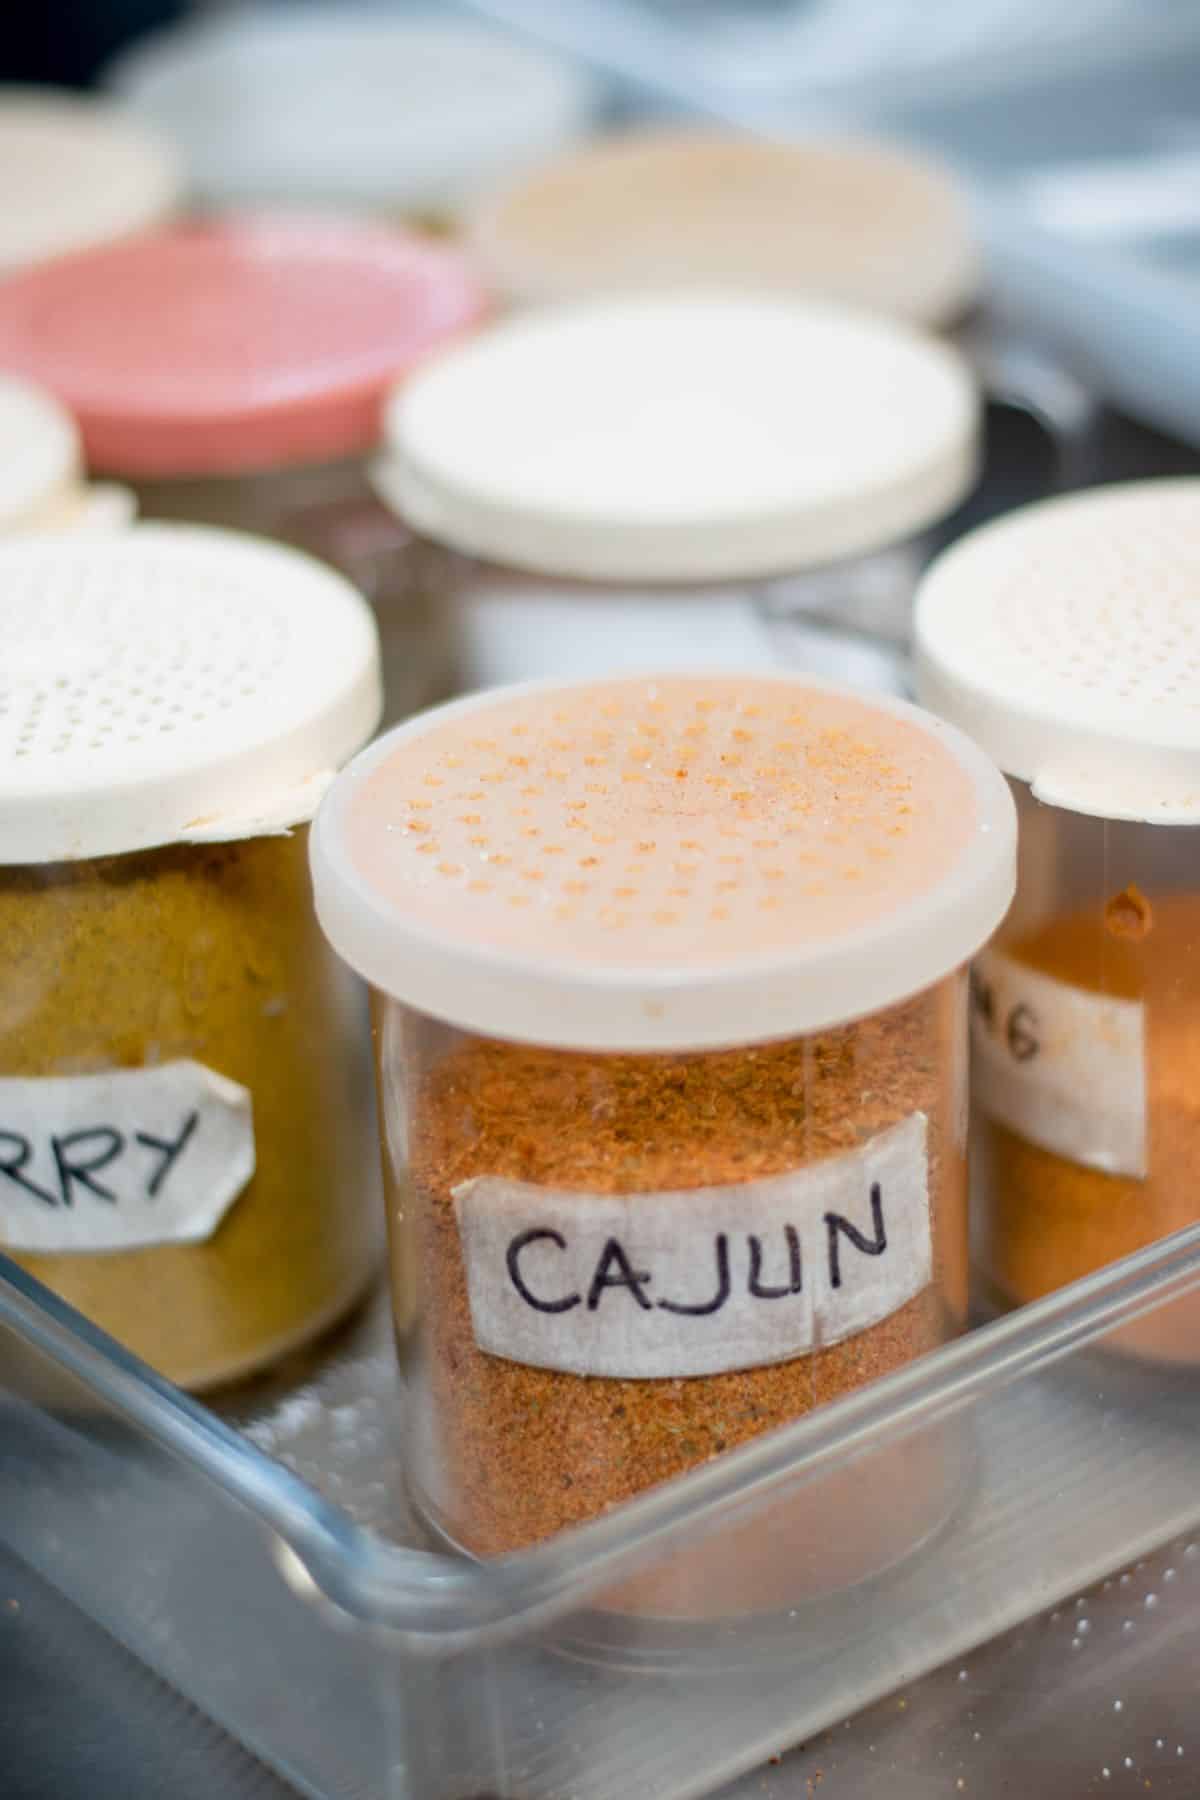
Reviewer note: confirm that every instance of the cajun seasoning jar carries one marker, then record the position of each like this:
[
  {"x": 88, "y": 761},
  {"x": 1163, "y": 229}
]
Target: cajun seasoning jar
[
  {"x": 76, "y": 171},
  {"x": 639, "y": 481},
  {"x": 351, "y": 107},
  {"x": 671, "y": 1038},
  {"x": 234, "y": 373},
  {"x": 185, "y": 1120},
  {"x": 42, "y": 486},
  {"x": 1066, "y": 639}
]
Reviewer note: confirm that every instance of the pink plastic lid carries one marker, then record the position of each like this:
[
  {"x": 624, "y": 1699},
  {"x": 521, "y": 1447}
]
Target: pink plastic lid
[{"x": 249, "y": 343}]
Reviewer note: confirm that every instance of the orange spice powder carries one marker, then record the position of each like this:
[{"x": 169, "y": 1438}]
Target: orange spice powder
[{"x": 524, "y": 1451}]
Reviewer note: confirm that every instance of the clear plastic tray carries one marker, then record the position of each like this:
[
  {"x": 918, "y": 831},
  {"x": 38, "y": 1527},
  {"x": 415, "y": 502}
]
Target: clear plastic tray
[{"x": 295, "y": 1607}]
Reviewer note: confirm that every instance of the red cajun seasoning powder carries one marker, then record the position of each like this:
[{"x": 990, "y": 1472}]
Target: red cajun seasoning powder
[{"x": 648, "y": 1219}]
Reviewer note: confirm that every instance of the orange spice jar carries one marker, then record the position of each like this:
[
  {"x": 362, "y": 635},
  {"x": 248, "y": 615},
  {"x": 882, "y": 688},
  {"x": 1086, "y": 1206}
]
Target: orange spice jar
[
  {"x": 671, "y": 1052},
  {"x": 1065, "y": 639}
]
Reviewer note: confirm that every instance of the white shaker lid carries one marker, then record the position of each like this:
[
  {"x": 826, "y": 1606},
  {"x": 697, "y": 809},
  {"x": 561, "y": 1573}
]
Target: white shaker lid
[
  {"x": 1066, "y": 639},
  {"x": 350, "y": 106},
  {"x": 681, "y": 437},
  {"x": 841, "y": 218},
  {"x": 663, "y": 863},
  {"x": 40, "y": 454},
  {"x": 76, "y": 171},
  {"x": 172, "y": 684}
]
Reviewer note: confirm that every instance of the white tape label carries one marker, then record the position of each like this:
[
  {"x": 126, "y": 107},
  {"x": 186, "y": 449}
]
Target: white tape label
[
  {"x": 1060, "y": 1066},
  {"x": 122, "y": 1160},
  {"x": 704, "y": 1280}
]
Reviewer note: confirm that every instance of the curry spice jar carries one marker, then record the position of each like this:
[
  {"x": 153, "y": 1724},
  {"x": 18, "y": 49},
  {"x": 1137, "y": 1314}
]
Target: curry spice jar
[
  {"x": 233, "y": 372},
  {"x": 671, "y": 1037},
  {"x": 185, "y": 1118},
  {"x": 647, "y": 482},
  {"x": 1065, "y": 638}
]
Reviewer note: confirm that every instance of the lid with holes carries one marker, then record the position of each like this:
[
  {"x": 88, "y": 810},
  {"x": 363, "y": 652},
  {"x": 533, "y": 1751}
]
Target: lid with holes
[
  {"x": 1066, "y": 639},
  {"x": 172, "y": 684},
  {"x": 76, "y": 171},
  {"x": 847, "y": 219},
  {"x": 233, "y": 346},
  {"x": 349, "y": 106},
  {"x": 681, "y": 437},
  {"x": 40, "y": 456},
  {"x": 663, "y": 863}
]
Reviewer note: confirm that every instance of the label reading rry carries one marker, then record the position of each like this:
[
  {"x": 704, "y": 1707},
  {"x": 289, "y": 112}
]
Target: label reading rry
[
  {"x": 1060, "y": 1066},
  {"x": 702, "y": 1280},
  {"x": 122, "y": 1160}
]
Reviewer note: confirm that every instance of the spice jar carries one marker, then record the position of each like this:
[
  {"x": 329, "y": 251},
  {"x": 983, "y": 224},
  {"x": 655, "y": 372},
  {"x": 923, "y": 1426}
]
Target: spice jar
[
  {"x": 1066, "y": 639},
  {"x": 638, "y": 479},
  {"x": 671, "y": 1029},
  {"x": 76, "y": 171},
  {"x": 847, "y": 219},
  {"x": 42, "y": 486},
  {"x": 234, "y": 373},
  {"x": 185, "y": 1116},
  {"x": 351, "y": 108}
]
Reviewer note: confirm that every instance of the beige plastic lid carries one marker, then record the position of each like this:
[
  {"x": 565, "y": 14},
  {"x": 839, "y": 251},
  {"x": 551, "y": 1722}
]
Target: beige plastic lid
[
  {"x": 663, "y": 863},
  {"x": 682, "y": 437},
  {"x": 41, "y": 458},
  {"x": 172, "y": 684},
  {"x": 74, "y": 172},
  {"x": 840, "y": 218},
  {"x": 1066, "y": 639}
]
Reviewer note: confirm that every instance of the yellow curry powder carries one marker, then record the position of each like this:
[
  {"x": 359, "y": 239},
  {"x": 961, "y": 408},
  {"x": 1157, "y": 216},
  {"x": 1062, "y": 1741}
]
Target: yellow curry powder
[
  {"x": 210, "y": 953},
  {"x": 524, "y": 1451},
  {"x": 1046, "y": 1220}
]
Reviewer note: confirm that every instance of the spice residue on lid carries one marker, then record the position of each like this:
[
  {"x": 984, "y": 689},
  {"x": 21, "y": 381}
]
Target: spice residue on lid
[
  {"x": 1066, "y": 639},
  {"x": 172, "y": 683},
  {"x": 690, "y": 436},
  {"x": 39, "y": 450},
  {"x": 845, "y": 218},
  {"x": 645, "y": 863},
  {"x": 244, "y": 344},
  {"x": 76, "y": 170}
]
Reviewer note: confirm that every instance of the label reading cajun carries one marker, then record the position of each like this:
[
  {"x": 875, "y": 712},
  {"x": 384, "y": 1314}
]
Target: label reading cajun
[
  {"x": 122, "y": 1160},
  {"x": 703, "y": 1280},
  {"x": 1060, "y": 1066}
]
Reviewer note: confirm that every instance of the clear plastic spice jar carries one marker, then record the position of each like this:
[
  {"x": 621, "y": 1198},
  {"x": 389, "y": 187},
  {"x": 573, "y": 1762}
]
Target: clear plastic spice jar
[
  {"x": 1066, "y": 640},
  {"x": 185, "y": 1106},
  {"x": 671, "y": 1039},
  {"x": 639, "y": 481},
  {"x": 75, "y": 171},
  {"x": 357, "y": 108},
  {"x": 234, "y": 374},
  {"x": 42, "y": 485}
]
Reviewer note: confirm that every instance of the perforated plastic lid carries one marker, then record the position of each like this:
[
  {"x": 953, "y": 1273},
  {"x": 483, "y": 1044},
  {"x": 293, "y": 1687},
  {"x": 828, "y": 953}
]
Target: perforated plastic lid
[
  {"x": 236, "y": 345},
  {"x": 659, "y": 863},
  {"x": 1066, "y": 639},
  {"x": 341, "y": 105},
  {"x": 682, "y": 437},
  {"x": 75, "y": 172},
  {"x": 845, "y": 219},
  {"x": 39, "y": 450},
  {"x": 172, "y": 684}
]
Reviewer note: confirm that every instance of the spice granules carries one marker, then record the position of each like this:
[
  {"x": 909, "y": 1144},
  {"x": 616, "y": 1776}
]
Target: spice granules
[
  {"x": 1046, "y": 1220},
  {"x": 212, "y": 953},
  {"x": 525, "y": 1451}
]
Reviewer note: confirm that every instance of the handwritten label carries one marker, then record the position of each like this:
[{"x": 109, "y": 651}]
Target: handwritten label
[
  {"x": 122, "y": 1160},
  {"x": 700, "y": 1281},
  {"x": 1060, "y": 1066}
]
